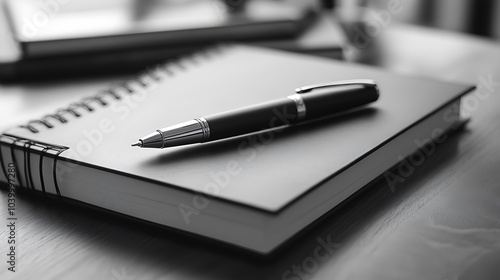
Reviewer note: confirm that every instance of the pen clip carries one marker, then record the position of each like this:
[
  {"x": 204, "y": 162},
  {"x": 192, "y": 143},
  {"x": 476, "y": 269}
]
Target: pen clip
[{"x": 357, "y": 82}]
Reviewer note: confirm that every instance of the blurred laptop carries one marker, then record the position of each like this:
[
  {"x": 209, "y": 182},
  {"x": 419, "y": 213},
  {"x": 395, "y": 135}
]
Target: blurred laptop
[
  {"x": 66, "y": 37},
  {"x": 68, "y": 27}
]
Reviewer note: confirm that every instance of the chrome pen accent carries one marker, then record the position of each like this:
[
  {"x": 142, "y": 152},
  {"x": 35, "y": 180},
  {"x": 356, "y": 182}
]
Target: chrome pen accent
[
  {"x": 190, "y": 132},
  {"x": 356, "y": 82},
  {"x": 299, "y": 103},
  {"x": 205, "y": 127}
]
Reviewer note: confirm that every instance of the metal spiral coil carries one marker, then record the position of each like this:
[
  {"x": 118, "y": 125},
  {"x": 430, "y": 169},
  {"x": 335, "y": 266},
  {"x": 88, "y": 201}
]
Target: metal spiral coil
[{"x": 88, "y": 103}]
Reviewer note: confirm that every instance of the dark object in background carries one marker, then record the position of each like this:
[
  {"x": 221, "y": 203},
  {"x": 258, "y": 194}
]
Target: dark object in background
[
  {"x": 323, "y": 38},
  {"x": 92, "y": 48},
  {"x": 96, "y": 26},
  {"x": 235, "y": 6},
  {"x": 328, "y": 4}
]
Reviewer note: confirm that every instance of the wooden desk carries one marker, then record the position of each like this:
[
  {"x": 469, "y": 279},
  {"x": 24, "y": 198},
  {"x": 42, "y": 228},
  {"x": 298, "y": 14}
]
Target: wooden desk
[{"x": 442, "y": 222}]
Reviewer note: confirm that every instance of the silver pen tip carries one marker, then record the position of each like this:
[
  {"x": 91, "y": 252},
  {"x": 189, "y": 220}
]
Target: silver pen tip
[{"x": 137, "y": 144}]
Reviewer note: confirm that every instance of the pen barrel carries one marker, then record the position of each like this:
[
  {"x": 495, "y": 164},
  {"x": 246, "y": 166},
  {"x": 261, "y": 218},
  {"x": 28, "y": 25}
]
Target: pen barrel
[
  {"x": 252, "y": 119},
  {"x": 285, "y": 111},
  {"x": 327, "y": 102}
]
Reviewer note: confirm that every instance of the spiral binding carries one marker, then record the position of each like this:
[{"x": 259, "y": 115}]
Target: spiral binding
[
  {"x": 88, "y": 103},
  {"x": 26, "y": 145}
]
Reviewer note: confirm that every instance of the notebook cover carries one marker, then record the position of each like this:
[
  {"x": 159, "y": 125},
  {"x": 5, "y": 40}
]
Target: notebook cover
[{"x": 265, "y": 171}]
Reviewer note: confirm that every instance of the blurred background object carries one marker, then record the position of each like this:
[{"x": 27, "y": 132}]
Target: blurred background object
[
  {"x": 365, "y": 22},
  {"x": 48, "y": 28},
  {"x": 72, "y": 38},
  {"x": 58, "y": 38},
  {"x": 467, "y": 16}
]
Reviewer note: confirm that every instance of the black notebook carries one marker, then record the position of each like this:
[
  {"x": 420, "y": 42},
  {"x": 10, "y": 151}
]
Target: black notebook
[{"x": 255, "y": 191}]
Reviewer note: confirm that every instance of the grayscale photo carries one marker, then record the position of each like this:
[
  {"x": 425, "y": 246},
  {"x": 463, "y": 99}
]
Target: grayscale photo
[{"x": 250, "y": 139}]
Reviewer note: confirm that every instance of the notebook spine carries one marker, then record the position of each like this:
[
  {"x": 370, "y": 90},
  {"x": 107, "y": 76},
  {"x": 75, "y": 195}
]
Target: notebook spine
[
  {"x": 153, "y": 74},
  {"x": 23, "y": 160}
]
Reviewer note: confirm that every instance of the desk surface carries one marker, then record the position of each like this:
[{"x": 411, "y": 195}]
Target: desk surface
[{"x": 442, "y": 222}]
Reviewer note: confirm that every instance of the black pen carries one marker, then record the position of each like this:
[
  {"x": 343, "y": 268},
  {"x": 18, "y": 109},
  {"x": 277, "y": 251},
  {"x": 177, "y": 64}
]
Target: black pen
[{"x": 321, "y": 100}]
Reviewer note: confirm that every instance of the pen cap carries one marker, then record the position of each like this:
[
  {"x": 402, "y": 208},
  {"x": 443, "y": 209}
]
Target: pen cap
[{"x": 322, "y": 102}]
